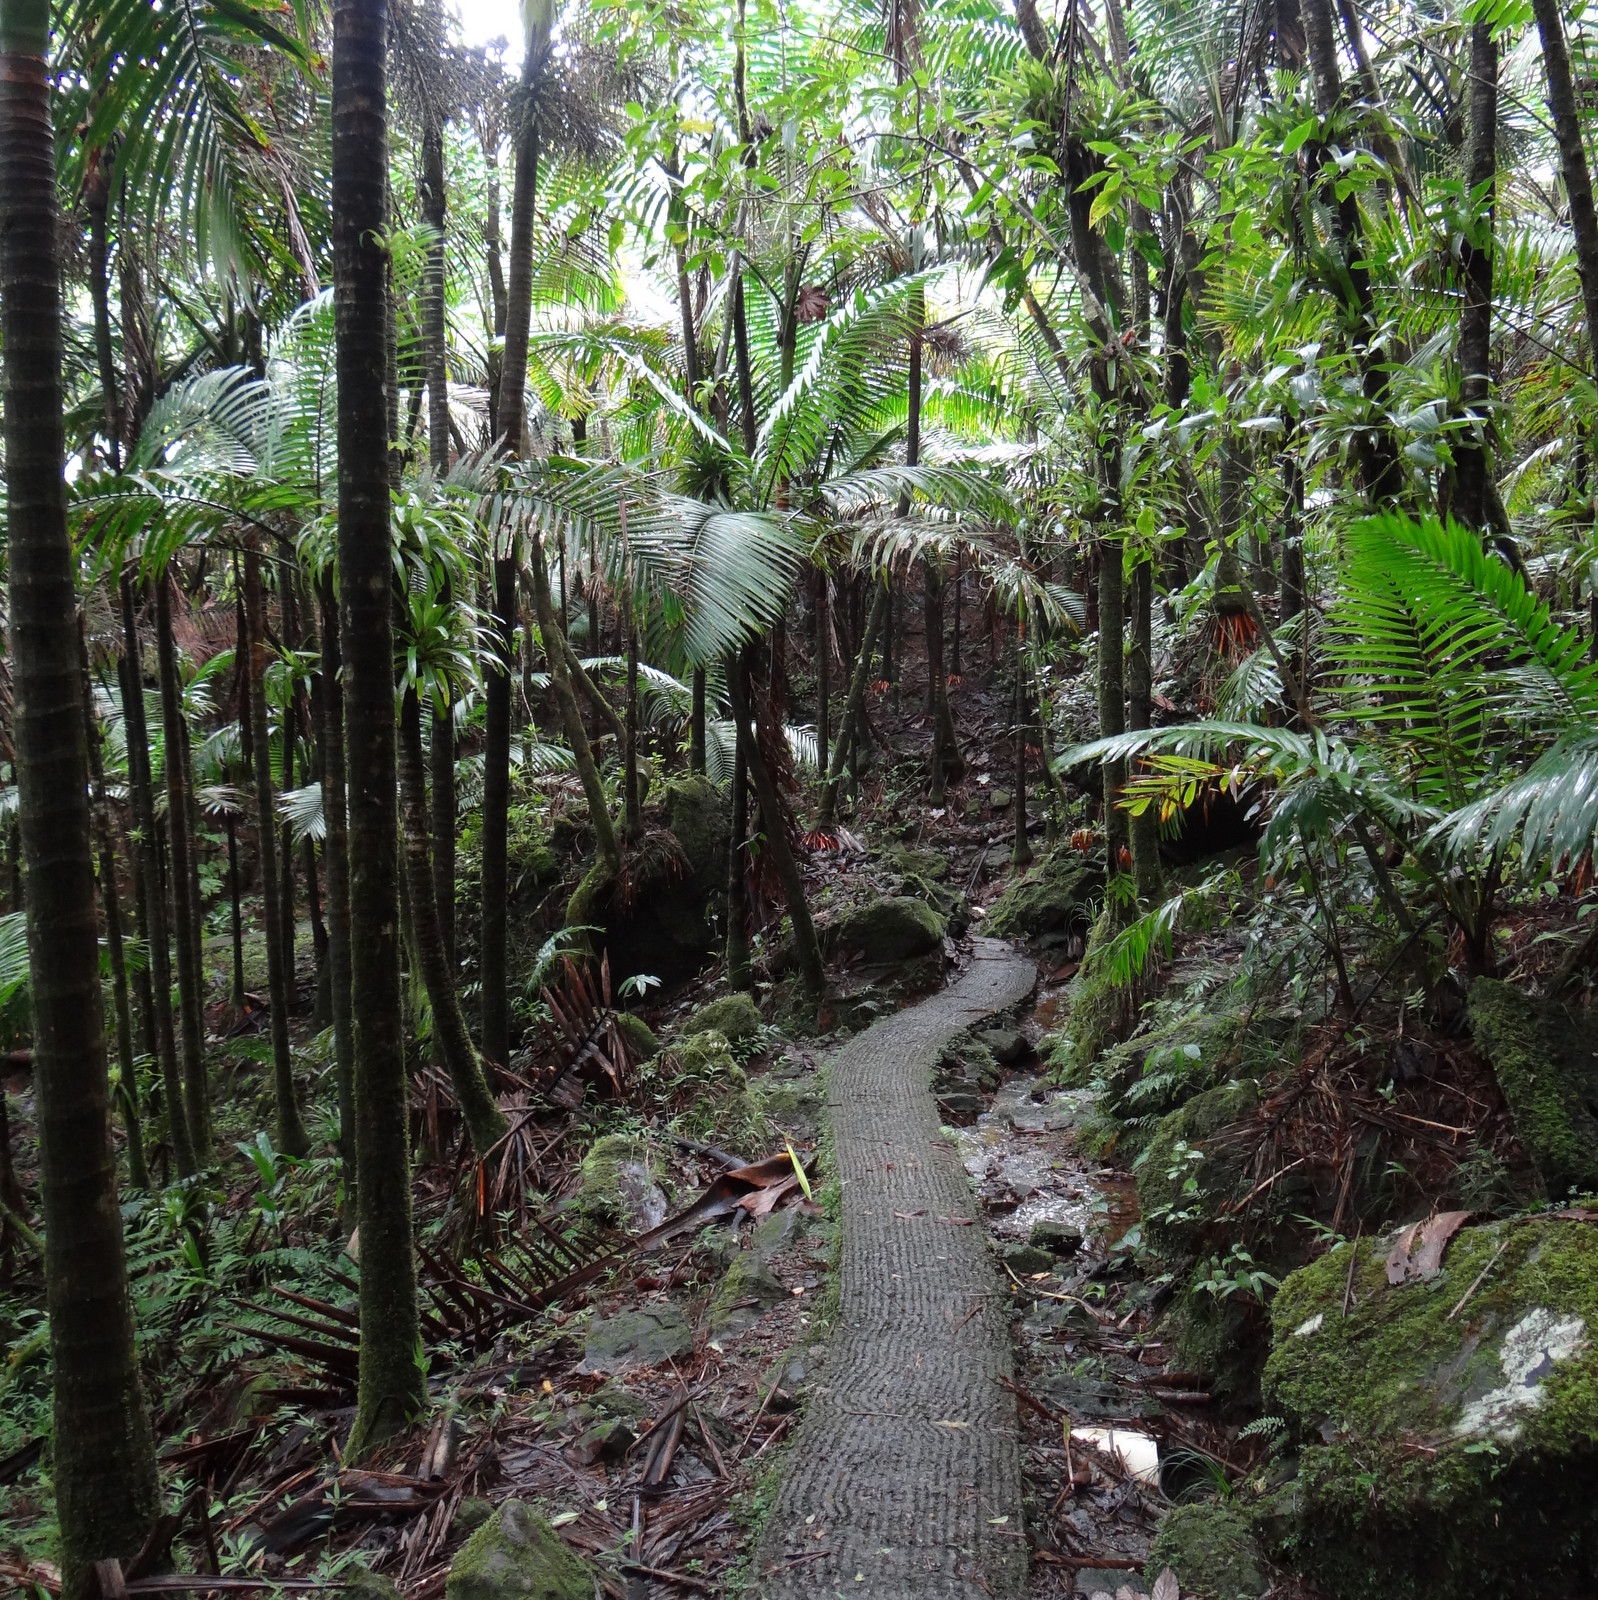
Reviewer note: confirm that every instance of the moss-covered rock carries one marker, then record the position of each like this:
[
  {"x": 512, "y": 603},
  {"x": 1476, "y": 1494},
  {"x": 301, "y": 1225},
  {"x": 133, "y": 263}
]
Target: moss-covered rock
[
  {"x": 1055, "y": 898},
  {"x": 747, "y": 1291},
  {"x": 363, "y": 1584},
  {"x": 1188, "y": 1171},
  {"x": 662, "y": 920},
  {"x": 620, "y": 1183},
  {"x": 735, "y": 1016},
  {"x": 1447, "y": 1427},
  {"x": 1545, "y": 1059},
  {"x": 1211, "y": 1551},
  {"x": 899, "y": 928},
  {"x": 517, "y": 1555},
  {"x": 632, "y": 1341},
  {"x": 639, "y": 1035}
]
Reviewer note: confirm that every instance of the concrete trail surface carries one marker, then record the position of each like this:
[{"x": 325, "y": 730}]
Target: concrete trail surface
[{"x": 905, "y": 1478}]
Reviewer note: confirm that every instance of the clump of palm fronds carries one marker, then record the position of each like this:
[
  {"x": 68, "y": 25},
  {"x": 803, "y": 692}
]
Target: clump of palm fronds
[{"x": 591, "y": 1047}]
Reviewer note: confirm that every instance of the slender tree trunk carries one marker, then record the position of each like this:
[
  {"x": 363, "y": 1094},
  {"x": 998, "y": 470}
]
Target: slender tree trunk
[
  {"x": 1471, "y": 460},
  {"x": 696, "y": 724},
  {"x": 97, "y": 197},
  {"x": 738, "y": 973},
  {"x": 1143, "y": 828},
  {"x": 1380, "y": 467},
  {"x": 143, "y": 990},
  {"x": 608, "y": 851},
  {"x": 632, "y": 801},
  {"x": 1021, "y": 853},
  {"x": 1573, "y": 164},
  {"x": 127, "y": 1091},
  {"x": 335, "y": 856},
  {"x": 434, "y": 341},
  {"x": 157, "y": 949},
  {"x": 103, "y": 1460},
  {"x": 1292, "y": 591},
  {"x": 236, "y": 917},
  {"x": 191, "y": 1019},
  {"x": 774, "y": 825},
  {"x": 496, "y": 689},
  {"x": 823, "y": 608},
  {"x": 287, "y": 923},
  {"x": 1112, "y": 687},
  {"x": 854, "y": 710},
  {"x": 484, "y": 1121},
  {"x": 391, "y": 1390},
  {"x": 291, "y": 1135}
]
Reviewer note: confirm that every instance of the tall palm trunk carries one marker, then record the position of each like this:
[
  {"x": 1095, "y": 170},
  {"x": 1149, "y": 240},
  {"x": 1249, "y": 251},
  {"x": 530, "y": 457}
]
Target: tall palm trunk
[
  {"x": 854, "y": 710},
  {"x": 1476, "y": 316},
  {"x": 335, "y": 856},
  {"x": 1380, "y": 468},
  {"x": 111, "y": 910},
  {"x": 738, "y": 972},
  {"x": 291, "y": 1135},
  {"x": 434, "y": 342},
  {"x": 157, "y": 948},
  {"x": 775, "y": 823},
  {"x": 235, "y": 916},
  {"x": 191, "y": 1018},
  {"x": 1143, "y": 828},
  {"x": 484, "y": 1121},
  {"x": 496, "y": 688},
  {"x": 391, "y": 1388},
  {"x": 103, "y": 1461},
  {"x": 1573, "y": 165}
]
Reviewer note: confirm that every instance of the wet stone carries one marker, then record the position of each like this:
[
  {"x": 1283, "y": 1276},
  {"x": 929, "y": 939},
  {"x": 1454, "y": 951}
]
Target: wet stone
[
  {"x": 1058, "y": 1238},
  {"x": 633, "y": 1340}
]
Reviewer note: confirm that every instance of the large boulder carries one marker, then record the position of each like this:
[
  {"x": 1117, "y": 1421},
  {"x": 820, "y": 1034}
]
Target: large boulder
[
  {"x": 634, "y": 1340},
  {"x": 1545, "y": 1058},
  {"x": 1447, "y": 1425},
  {"x": 620, "y": 1187},
  {"x": 898, "y": 928},
  {"x": 517, "y": 1555},
  {"x": 664, "y": 923},
  {"x": 1051, "y": 902},
  {"x": 735, "y": 1016}
]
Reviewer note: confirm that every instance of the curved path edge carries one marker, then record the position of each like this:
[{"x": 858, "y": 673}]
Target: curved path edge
[{"x": 905, "y": 1477}]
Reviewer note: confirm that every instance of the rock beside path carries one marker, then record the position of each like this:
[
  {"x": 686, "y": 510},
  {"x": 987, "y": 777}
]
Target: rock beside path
[
  {"x": 633, "y": 1340},
  {"x": 1446, "y": 1426},
  {"x": 517, "y": 1555}
]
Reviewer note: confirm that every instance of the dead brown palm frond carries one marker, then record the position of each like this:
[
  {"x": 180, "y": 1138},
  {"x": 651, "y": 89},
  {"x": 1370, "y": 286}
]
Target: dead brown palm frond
[
  {"x": 591, "y": 1048},
  {"x": 655, "y": 859}
]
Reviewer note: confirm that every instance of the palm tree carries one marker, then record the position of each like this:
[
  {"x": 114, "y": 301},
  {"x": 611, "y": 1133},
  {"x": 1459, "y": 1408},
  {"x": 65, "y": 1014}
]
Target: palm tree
[
  {"x": 391, "y": 1388},
  {"x": 107, "y": 1494}
]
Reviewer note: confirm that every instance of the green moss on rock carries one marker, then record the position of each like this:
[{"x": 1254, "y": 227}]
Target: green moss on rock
[
  {"x": 736, "y": 1016},
  {"x": 620, "y": 1183},
  {"x": 745, "y": 1294},
  {"x": 1055, "y": 897},
  {"x": 1187, "y": 1171},
  {"x": 639, "y": 1035},
  {"x": 1444, "y": 1454},
  {"x": 888, "y": 930},
  {"x": 517, "y": 1555},
  {"x": 1545, "y": 1058},
  {"x": 1211, "y": 1551}
]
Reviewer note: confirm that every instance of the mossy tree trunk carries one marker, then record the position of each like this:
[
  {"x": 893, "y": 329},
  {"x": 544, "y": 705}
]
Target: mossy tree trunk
[
  {"x": 484, "y": 1121},
  {"x": 291, "y": 1135},
  {"x": 179, "y": 782},
  {"x": 335, "y": 856},
  {"x": 774, "y": 823},
  {"x": 157, "y": 948},
  {"x": 854, "y": 710},
  {"x": 103, "y": 1455},
  {"x": 1471, "y": 456},
  {"x": 392, "y": 1390}
]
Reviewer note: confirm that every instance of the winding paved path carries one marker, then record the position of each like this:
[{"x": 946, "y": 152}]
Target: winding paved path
[{"x": 905, "y": 1479}]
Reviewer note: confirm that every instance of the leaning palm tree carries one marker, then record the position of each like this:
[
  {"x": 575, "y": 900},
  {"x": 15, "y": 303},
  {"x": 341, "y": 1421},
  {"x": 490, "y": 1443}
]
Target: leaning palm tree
[
  {"x": 107, "y": 1494},
  {"x": 391, "y": 1387}
]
